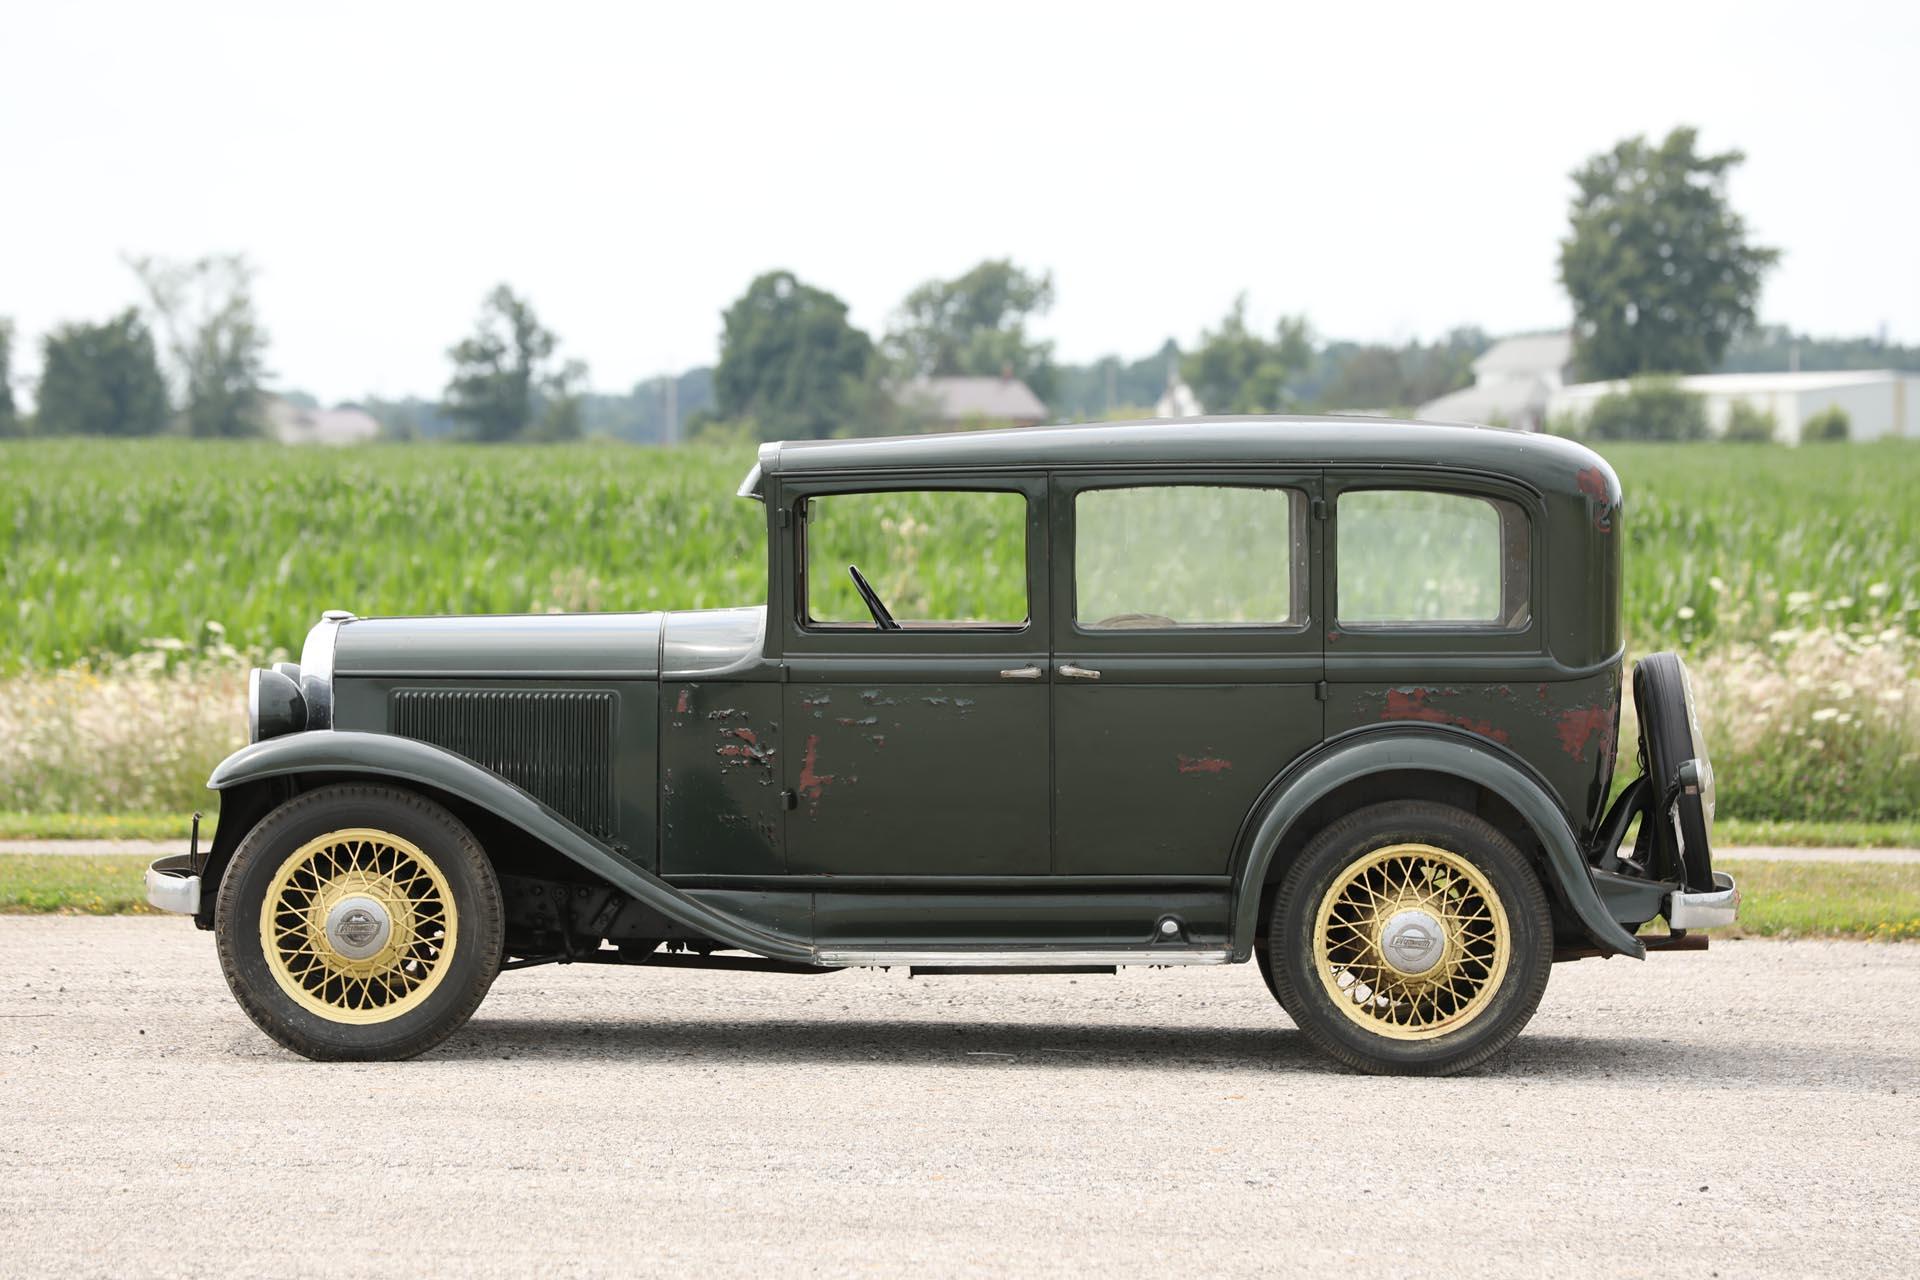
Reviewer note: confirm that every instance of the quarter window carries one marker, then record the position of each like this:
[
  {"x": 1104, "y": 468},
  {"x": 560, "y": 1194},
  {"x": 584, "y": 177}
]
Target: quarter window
[
  {"x": 935, "y": 558},
  {"x": 1421, "y": 558},
  {"x": 1189, "y": 556}
]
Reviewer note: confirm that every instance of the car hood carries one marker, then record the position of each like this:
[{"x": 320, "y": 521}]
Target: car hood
[{"x": 603, "y": 646}]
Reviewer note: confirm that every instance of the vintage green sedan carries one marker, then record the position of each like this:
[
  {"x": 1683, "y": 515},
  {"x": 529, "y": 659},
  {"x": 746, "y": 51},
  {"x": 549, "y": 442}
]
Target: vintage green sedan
[{"x": 1337, "y": 696}]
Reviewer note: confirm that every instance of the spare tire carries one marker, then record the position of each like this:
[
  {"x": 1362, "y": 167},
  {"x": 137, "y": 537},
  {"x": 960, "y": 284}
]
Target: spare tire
[{"x": 1673, "y": 754}]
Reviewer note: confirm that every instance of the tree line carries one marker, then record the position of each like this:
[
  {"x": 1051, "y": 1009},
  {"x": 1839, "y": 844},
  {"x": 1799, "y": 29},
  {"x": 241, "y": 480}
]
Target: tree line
[{"x": 1660, "y": 272}]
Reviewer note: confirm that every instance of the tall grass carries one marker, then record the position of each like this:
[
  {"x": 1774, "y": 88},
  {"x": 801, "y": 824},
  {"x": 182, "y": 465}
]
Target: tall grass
[{"x": 105, "y": 546}]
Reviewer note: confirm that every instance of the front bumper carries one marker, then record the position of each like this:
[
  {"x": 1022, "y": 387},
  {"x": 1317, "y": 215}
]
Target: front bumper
[
  {"x": 172, "y": 884},
  {"x": 1710, "y": 909}
]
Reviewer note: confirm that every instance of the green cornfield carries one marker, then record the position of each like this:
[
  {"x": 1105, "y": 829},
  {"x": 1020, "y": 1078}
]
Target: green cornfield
[{"x": 115, "y": 548}]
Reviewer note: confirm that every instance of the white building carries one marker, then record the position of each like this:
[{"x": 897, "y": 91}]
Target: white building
[
  {"x": 292, "y": 424},
  {"x": 1513, "y": 382},
  {"x": 1877, "y": 402}
]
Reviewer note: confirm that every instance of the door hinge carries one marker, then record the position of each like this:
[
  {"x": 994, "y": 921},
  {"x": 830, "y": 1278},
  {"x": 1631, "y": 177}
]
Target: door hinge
[
  {"x": 789, "y": 799},
  {"x": 786, "y": 518},
  {"x": 1319, "y": 508},
  {"x": 1320, "y": 690}
]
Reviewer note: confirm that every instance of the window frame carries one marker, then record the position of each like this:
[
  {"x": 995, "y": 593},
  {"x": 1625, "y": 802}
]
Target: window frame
[
  {"x": 804, "y": 635},
  {"x": 1261, "y": 638},
  {"x": 1440, "y": 634}
]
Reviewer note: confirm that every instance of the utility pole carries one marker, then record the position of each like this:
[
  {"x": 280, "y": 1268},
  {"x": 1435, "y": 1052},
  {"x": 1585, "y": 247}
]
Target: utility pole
[{"x": 673, "y": 408}]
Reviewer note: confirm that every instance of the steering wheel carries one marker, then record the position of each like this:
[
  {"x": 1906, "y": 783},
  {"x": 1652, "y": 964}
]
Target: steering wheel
[{"x": 881, "y": 617}]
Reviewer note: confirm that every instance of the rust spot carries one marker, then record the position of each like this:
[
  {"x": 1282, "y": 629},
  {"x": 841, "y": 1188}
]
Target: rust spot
[
  {"x": 746, "y": 735},
  {"x": 877, "y": 739},
  {"x": 818, "y": 700},
  {"x": 1593, "y": 483},
  {"x": 1202, "y": 764},
  {"x": 1412, "y": 704},
  {"x": 848, "y": 722},
  {"x": 812, "y": 782},
  {"x": 680, "y": 707},
  {"x": 1582, "y": 726}
]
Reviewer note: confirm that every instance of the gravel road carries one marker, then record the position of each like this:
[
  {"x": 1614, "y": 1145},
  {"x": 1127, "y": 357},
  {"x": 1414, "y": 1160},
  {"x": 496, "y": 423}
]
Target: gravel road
[{"x": 1749, "y": 1110}]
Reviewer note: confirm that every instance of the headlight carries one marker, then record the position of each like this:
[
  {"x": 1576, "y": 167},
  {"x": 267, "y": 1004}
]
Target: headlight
[
  {"x": 274, "y": 704},
  {"x": 1699, "y": 751}
]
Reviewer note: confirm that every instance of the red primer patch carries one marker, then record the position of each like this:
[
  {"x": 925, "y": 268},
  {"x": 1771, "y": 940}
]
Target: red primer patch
[
  {"x": 1593, "y": 483},
  {"x": 812, "y": 781},
  {"x": 1581, "y": 726},
  {"x": 1203, "y": 764},
  {"x": 680, "y": 707},
  {"x": 1412, "y": 704}
]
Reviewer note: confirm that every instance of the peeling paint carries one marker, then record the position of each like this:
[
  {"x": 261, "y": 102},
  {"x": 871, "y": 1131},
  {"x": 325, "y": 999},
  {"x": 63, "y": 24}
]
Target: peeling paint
[
  {"x": 1582, "y": 726},
  {"x": 680, "y": 708},
  {"x": 1202, "y": 764},
  {"x": 877, "y": 739},
  {"x": 817, "y": 700},
  {"x": 1412, "y": 704},
  {"x": 812, "y": 782},
  {"x": 1593, "y": 483},
  {"x": 848, "y": 722}
]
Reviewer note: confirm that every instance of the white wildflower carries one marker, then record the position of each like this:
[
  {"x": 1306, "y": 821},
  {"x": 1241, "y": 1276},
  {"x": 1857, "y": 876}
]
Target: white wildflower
[
  {"x": 1825, "y": 713},
  {"x": 1878, "y": 591},
  {"x": 1686, "y": 613}
]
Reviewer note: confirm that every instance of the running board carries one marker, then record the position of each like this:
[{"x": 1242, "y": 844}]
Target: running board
[{"x": 1029, "y": 961}]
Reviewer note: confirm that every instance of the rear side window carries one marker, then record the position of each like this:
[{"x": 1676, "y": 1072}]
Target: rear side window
[
  {"x": 1413, "y": 557},
  {"x": 1160, "y": 556}
]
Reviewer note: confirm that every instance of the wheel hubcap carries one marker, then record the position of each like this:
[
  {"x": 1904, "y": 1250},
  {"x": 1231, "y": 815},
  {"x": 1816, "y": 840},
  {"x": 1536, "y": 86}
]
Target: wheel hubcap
[
  {"x": 1411, "y": 941},
  {"x": 358, "y": 926}
]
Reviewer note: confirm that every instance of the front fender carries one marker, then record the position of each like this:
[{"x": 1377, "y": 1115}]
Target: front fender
[
  {"x": 1426, "y": 751},
  {"x": 406, "y": 760}
]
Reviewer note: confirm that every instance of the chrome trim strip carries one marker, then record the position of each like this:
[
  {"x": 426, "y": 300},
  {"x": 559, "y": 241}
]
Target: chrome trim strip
[
  {"x": 1707, "y": 910},
  {"x": 1033, "y": 959},
  {"x": 316, "y": 667},
  {"x": 179, "y": 894}
]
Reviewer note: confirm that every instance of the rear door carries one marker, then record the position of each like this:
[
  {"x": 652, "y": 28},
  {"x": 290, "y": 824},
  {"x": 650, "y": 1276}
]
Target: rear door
[{"x": 1186, "y": 661}]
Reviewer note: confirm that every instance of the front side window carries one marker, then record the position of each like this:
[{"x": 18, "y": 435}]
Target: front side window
[
  {"x": 1413, "y": 557},
  {"x": 933, "y": 559},
  {"x": 1188, "y": 556}
]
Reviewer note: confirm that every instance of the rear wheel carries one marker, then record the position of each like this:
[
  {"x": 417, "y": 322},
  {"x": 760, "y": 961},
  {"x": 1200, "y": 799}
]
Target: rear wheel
[
  {"x": 359, "y": 922},
  {"x": 1410, "y": 938}
]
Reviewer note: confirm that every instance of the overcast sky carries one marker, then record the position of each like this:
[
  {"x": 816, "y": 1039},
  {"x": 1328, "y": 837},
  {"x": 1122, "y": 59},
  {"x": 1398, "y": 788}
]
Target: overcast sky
[{"x": 1389, "y": 171}]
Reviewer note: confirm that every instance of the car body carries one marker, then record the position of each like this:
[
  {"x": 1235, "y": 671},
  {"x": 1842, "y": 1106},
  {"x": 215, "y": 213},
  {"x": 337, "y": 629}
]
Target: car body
[{"x": 1156, "y": 674}]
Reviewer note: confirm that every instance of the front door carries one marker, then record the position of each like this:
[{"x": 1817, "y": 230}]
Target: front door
[
  {"x": 916, "y": 701},
  {"x": 1186, "y": 663}
]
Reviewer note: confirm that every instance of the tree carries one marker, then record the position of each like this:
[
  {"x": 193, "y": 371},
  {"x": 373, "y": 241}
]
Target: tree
[
  {"x": 1826, "y": 426},
  {"x": 976, "y": 324},
  {"x": 9, "y": 419},
  {"x": 1651, "y": 408},
  {"x": 1657, "y": 263},
  {"x": 218, "y": 346},
  {"x": 1234, "y": 370},
  {"x": 101, "y": 380},
  {"x": 791, "y": 362},
  {"x": 503, "y": 381}
]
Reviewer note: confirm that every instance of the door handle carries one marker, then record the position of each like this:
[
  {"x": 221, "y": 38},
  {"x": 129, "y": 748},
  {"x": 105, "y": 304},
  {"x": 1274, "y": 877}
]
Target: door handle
[
  {"x": 1020, "y": 673},
  {"x": 1078, "y": 673}
]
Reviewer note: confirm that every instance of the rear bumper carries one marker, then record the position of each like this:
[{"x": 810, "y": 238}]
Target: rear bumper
[
  {"x": 172, "y": 884},
  {"x": 1710, "y": 909}
]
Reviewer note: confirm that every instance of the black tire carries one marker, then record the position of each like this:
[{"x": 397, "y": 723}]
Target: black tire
[
  {"x": 1667, "y": 741},
  {"x": 462, "y": 960},
  {"x": 1492, "y": 1021}
]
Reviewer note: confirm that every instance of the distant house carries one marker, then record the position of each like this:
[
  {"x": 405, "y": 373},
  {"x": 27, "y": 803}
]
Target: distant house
[
  {"x": 1178, "y": 400},
  {"x": 1877, "y": 402},
  {"x": 293, "y": 424},
  {"x": 969, "y": 401},
  {"x": 1513, "y": 383}
]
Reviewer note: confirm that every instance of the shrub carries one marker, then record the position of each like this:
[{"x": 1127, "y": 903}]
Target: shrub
[
  {"x": 1831, "y": 423},
  {"x": 1747, "y": 423},
  {"x": 1649, "y": 409}
]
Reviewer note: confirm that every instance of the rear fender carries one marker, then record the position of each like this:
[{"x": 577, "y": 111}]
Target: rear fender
[
  {"x": 404, "y": 760},
  {"x": 1431, "y": 749}
]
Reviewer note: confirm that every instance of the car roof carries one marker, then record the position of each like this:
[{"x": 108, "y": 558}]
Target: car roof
[{"x": 1549, "y": 463}]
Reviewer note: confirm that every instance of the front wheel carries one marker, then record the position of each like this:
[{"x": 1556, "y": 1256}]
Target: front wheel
[
  {"x": 359, "y": 922},
  {"x": 1410, "y": 938}
]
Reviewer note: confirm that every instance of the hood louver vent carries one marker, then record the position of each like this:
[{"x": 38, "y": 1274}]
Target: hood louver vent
[{"x": 556, "y": 745}]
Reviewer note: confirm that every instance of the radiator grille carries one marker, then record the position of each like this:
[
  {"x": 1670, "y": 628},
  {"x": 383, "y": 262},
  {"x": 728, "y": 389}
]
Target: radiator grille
[{"x": 557, "y": 745}]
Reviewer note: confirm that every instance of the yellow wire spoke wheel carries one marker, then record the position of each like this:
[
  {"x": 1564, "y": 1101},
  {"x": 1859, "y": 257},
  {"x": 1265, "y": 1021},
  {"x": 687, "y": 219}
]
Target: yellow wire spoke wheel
[
  {"x": 1411, "y": 941},
  {"x": 359, "y": 926}
]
